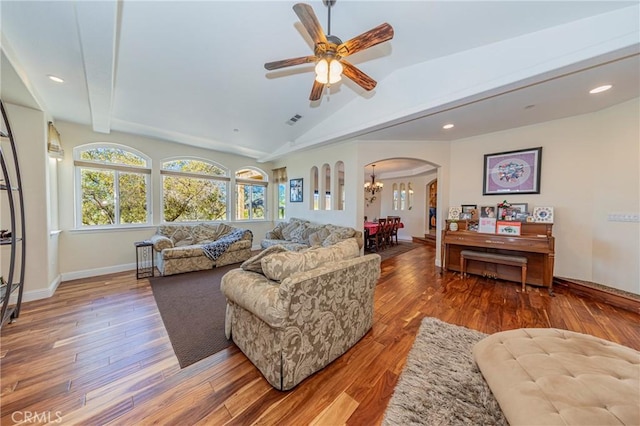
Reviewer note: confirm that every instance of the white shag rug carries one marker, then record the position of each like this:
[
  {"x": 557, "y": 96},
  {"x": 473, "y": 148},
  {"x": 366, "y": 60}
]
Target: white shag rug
[{"x": 441, "y": 384}]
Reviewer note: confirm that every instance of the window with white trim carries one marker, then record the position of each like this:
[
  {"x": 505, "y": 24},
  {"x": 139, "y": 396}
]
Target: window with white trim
[
  {"x": 194, "y": 190},
  {"x": 112, "y": 186},
  {"x": 251, "y": 189}
]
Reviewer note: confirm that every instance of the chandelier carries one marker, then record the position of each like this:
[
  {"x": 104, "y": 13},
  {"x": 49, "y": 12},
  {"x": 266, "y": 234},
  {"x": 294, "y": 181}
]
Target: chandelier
[{"x": 372, "y": 187}]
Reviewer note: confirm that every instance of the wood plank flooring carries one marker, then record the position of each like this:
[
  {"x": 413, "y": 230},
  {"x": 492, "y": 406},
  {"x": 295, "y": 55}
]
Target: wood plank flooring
[{"x": 97, "y": 352}]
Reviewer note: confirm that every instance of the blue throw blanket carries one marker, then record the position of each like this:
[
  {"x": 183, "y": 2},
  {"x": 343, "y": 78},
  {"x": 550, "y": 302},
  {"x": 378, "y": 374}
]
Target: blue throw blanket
[{"x": 215, "y": 249}]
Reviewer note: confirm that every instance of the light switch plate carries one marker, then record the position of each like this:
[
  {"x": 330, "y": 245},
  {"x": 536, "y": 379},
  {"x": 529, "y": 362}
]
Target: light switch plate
[{"x": 623, "y": 217}]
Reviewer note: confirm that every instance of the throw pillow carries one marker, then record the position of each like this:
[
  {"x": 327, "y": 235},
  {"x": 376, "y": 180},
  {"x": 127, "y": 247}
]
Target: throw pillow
[
  {"x": 204, "y": 232},
  {"x": 332, "y": 239},
  {"x": 223, "y": 229},
  {"x": 300, "y": 234},
  {"x": 343, "y": 231},
  {"x": 185, "y": 242},
  {"x": 182, "y": 238},
  {"x": 276, "y": 233},
  {"x": 287, "y": 230},
  {"x": 318, "y": 237},
  {"x": 253, "y": 263}
]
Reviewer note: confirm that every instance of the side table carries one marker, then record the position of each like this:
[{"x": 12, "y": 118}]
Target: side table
[{"x": 144, "y": 259}]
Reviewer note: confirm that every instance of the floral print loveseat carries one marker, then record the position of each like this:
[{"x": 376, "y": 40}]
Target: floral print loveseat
[
  {"x": 298, "y": 234},
  {"x": 183, "y": 248},
  {"x": 293, "y": 313}
]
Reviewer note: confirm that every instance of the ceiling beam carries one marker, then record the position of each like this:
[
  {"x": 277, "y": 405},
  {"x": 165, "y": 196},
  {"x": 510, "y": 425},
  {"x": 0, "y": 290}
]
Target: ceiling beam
[{"x": 98, "y": 27}]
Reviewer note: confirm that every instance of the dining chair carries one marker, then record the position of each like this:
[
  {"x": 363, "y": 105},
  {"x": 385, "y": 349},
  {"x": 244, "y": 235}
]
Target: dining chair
[
  {"x": 394, "y": 228},
  {"x": 384, "y": 229},
  {"x": 374, "y": 240}
]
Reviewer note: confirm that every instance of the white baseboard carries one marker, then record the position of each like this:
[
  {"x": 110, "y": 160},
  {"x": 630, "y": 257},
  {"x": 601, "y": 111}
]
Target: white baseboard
[
  {"x": 44, "y": 293},
  {"x": 87, "y": 273}
]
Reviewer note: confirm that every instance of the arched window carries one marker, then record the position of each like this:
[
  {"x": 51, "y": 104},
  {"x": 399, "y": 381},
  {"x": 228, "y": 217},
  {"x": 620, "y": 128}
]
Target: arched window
[
  {"x": 112, "y": 185},
  {"x": 315, "y": 191},
  {"x": 338, "y": 185},
  {"x": 410, "y": 195},
  {"x": 193, "y": 190},
  {"x": 326, "y": 187},
  {"x": 251, "y": 188},
  {"x": 395, "y": 196},
  {"x": 403, "y": 197}
]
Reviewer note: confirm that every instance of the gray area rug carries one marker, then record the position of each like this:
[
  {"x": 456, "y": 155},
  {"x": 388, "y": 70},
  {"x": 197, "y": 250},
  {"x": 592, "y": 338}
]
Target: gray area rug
[
  {"x": 192, "y": 308},
  {"x": 395, "y": 250},
  {"x": 441, "y": 384}
]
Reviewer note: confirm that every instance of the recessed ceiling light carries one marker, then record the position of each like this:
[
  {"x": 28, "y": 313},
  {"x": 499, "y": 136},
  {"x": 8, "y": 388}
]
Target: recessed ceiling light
[
  {"x": 600, "y": 89},
  {"x": 56, "y": 79},
  {"x": 448, "y": 126}
]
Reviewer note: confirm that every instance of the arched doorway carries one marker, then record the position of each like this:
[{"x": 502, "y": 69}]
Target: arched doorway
[
  {"x": 404, "y": 193},
  {"x": 432, "y": 207}
]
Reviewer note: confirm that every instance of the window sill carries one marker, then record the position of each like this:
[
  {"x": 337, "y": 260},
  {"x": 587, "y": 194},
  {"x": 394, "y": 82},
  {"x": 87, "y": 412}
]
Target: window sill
[{"x": 112, "y": 228}]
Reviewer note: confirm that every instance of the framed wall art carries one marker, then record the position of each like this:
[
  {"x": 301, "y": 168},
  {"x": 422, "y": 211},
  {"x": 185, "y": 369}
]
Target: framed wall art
[
  {"x": 295, "y": 188},
  {"x": 512, "y": 172}
]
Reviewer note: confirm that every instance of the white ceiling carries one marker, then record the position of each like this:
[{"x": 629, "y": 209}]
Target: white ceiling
[{"x": 192, "y": 72}]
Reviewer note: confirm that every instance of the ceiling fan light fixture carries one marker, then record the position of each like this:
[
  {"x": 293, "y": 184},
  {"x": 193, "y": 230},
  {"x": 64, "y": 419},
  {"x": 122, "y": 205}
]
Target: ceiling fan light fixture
[{"x": 328, "y": 72}]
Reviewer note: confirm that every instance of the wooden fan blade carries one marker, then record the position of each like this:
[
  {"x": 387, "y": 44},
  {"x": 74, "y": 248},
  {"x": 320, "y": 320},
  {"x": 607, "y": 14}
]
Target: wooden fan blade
[
  {"x": 310, "y": 22},
  {"x": 360, "y": 78},
  {"x": 289, "y": 62},
  {"x": 379, "y": 34},
  {"x": 316, "y": 91}
]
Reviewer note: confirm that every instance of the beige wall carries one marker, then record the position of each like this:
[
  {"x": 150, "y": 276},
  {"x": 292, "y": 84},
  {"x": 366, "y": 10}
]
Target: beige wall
[
  {"x": 299, "y": 166},
  {"x": 590, "y": 168},
  {"x": 94, "y": 252}
]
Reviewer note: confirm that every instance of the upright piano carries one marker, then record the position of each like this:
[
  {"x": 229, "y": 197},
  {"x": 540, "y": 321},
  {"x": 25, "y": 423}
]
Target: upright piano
[{"x": 535, "y": 242}]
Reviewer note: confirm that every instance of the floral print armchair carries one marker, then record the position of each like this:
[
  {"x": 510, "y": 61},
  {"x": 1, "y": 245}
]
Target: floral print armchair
[{"x": 293, "y": 313}]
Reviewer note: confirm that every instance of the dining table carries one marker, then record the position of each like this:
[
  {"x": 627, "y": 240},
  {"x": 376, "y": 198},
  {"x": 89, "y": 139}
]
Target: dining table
[{"x": 371, "y": 228}]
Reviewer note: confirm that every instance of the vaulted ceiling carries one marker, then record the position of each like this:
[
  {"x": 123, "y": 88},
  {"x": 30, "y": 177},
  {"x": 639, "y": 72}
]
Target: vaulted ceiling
[{"x": 192, "y": 72}]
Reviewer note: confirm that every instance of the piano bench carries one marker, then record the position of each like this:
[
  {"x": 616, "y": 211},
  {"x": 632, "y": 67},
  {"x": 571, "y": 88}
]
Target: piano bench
[{"x": 501, "y": 259}]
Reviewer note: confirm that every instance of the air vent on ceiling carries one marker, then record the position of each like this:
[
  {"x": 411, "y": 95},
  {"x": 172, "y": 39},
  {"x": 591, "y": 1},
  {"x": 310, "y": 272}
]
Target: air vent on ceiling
[{"x": 293, "y": 120}]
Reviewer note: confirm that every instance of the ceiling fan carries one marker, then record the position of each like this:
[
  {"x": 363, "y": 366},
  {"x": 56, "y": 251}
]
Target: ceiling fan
[{"x": 330, "y": 51}]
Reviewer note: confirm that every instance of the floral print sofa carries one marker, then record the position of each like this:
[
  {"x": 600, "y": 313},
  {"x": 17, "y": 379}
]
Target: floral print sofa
[
  {"x": 299, "y": 234},
  {"x": 293, "y": 313},
  {"x": 182, "y": 248}
]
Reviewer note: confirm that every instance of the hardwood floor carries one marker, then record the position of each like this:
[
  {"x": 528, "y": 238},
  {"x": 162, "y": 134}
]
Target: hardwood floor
[{"x": 97, "y": 352}]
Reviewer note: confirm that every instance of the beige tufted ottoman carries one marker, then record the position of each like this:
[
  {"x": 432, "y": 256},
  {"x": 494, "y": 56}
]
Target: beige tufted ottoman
[{"x": 546, "y": 376}]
